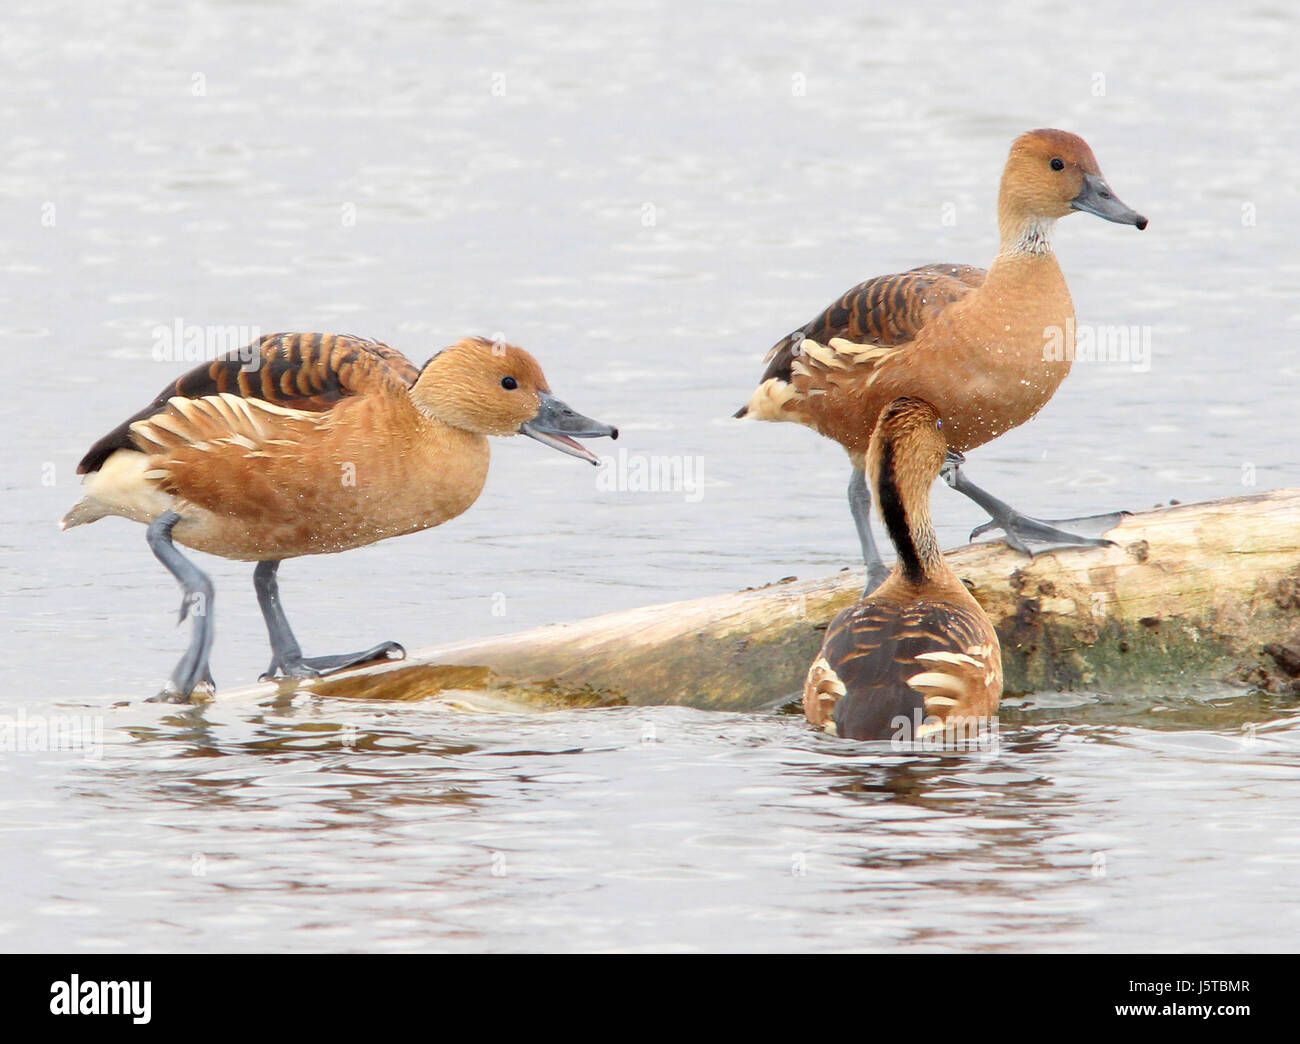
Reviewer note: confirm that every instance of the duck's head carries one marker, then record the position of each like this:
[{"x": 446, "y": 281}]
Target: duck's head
[
  {"x": 493, "y": 388},
  {"x": 1051, "y": 173},
  {"x": 909, "y": 443}
]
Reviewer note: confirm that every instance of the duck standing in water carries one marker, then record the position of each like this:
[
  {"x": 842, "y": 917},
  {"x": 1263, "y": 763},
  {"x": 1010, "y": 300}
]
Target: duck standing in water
[
  {"x": 919, "y": 655},
  {"x": 970, "y": 342},
  {"x": 307, "y": 444}
]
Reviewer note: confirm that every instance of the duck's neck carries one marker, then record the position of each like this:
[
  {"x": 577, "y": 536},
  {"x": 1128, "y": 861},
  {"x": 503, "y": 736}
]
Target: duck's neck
[
  {"x": 1030, "y": 239},
  {"x": 905, "y": 509},
  {"x": 1026, "y": 269},
  {"x": 436, "y": 434},
  {"x": 1023, "y": 234}
]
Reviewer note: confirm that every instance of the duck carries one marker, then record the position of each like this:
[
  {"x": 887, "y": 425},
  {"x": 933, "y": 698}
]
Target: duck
[
  {"x": 310, "y": 444},
  {"x": 918, "y": 656},
  {"x": 967, "y": 340}
]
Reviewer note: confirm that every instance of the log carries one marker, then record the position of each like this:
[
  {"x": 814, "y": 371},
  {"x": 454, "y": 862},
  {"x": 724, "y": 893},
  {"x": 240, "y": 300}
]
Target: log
[{"x": 1188, "y": 595}]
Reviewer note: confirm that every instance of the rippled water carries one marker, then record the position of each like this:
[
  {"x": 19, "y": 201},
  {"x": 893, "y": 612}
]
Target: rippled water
[
  {"x": 646, "y": 201},
  {"x": 367, "y": 827}
]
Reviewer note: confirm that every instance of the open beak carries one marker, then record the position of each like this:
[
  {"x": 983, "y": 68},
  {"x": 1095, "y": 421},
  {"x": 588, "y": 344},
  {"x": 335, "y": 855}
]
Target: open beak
[
  {"x": 1097, "y": 198},
  {"x": 557, "y": 424},
  {"x": 955, "y": 458}
]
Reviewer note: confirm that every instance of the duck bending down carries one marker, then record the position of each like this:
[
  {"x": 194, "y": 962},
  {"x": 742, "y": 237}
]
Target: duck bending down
[
  {"x": 919, "y": 655},
  {"x": 308, "y": 444},
  {"x": 975, "y": 344}
]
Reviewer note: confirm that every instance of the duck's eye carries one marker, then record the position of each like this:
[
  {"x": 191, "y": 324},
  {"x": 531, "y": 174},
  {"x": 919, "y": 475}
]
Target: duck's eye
[
  {"x": 1058, "y": 163},
  {"x": 509, "y": 383},
  {"x": 939, "y": 424}
]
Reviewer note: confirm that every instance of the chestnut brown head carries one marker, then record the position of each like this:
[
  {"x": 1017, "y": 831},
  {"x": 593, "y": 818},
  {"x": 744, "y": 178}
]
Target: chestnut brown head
[
  {"x": 1051, "y": 173},
  {"x": 494, "y": 388}
]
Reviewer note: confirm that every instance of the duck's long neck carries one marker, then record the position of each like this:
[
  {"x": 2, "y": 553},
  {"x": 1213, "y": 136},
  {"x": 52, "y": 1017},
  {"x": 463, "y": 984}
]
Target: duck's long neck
[
  {"x": 1025, "y": 236},
  {"x": 905, "y": 509},
  {"x": 1025, "y": 278}
]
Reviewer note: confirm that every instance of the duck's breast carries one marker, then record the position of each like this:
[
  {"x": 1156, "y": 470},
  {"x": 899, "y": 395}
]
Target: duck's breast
[{"x": 988, "y": 363}]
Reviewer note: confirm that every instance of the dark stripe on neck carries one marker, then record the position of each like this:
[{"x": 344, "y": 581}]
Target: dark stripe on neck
[{"x": 895, "y": 516}]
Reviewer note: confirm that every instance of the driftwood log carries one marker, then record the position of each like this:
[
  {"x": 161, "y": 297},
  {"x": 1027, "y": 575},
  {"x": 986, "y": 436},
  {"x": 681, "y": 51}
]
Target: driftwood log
[{"x": 1188, "y": 594}]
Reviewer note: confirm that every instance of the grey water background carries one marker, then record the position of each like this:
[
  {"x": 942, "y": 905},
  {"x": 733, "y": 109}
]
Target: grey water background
[{"x": 646, "y": 196}]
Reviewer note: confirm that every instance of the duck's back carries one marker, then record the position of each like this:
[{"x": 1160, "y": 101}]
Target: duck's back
[
  {"x": 887, "y": 666},
  {"x": 302, "y": 371},
  {"x": 888, "y": 311},
  {"x": 299, "y": 444}
]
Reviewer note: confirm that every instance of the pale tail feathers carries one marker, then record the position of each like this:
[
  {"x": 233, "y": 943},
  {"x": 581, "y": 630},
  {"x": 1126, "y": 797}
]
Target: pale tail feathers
[
  {"x": 773, "y": 400},
  {"x": 122, "y": 486}
]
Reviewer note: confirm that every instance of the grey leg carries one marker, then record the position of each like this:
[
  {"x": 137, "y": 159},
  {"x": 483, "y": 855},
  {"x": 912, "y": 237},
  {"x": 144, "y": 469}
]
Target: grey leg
[
  {"x": 1052, "y": 535},
  {"x": 286, "y": 654},
  {"x": 192, "y": 672},
  {"x": 860, "y": 507}
]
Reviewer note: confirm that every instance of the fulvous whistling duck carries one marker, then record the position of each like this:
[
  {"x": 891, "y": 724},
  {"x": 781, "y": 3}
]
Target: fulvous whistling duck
[
  {"x": 307, "y": 444},
  {"x": 918, "y": 655},
  {"x": 970, "y": 342}
]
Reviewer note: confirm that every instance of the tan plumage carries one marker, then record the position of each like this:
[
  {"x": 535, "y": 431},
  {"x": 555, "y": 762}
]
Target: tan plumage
[
  {"x": 306, "y": 371},
  {"x": 346, "y": 454},
  {"x": 886, "y": 311},
  {"x": 311, "y": 444},
  {"x": 919, "y": 655},
  {"x": 969, "y": 342}
]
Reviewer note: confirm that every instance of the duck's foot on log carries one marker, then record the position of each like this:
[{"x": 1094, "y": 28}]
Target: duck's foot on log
[
  {"x": 314, "y": 666},
  {"x": 286, "y": 653},
  {"x": 1022, "y": 531},
  {"x": 1034, "y": 536}
]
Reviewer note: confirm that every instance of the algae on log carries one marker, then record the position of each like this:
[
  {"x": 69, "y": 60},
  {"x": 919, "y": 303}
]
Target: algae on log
[{"x": 1187, "y": 594}]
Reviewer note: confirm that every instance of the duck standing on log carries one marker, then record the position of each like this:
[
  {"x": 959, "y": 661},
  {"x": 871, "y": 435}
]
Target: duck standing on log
[
  {"x": 918, "y": 656},
  {"x": 970, "y": 342},
  {"x": 307, "y": 444}
]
